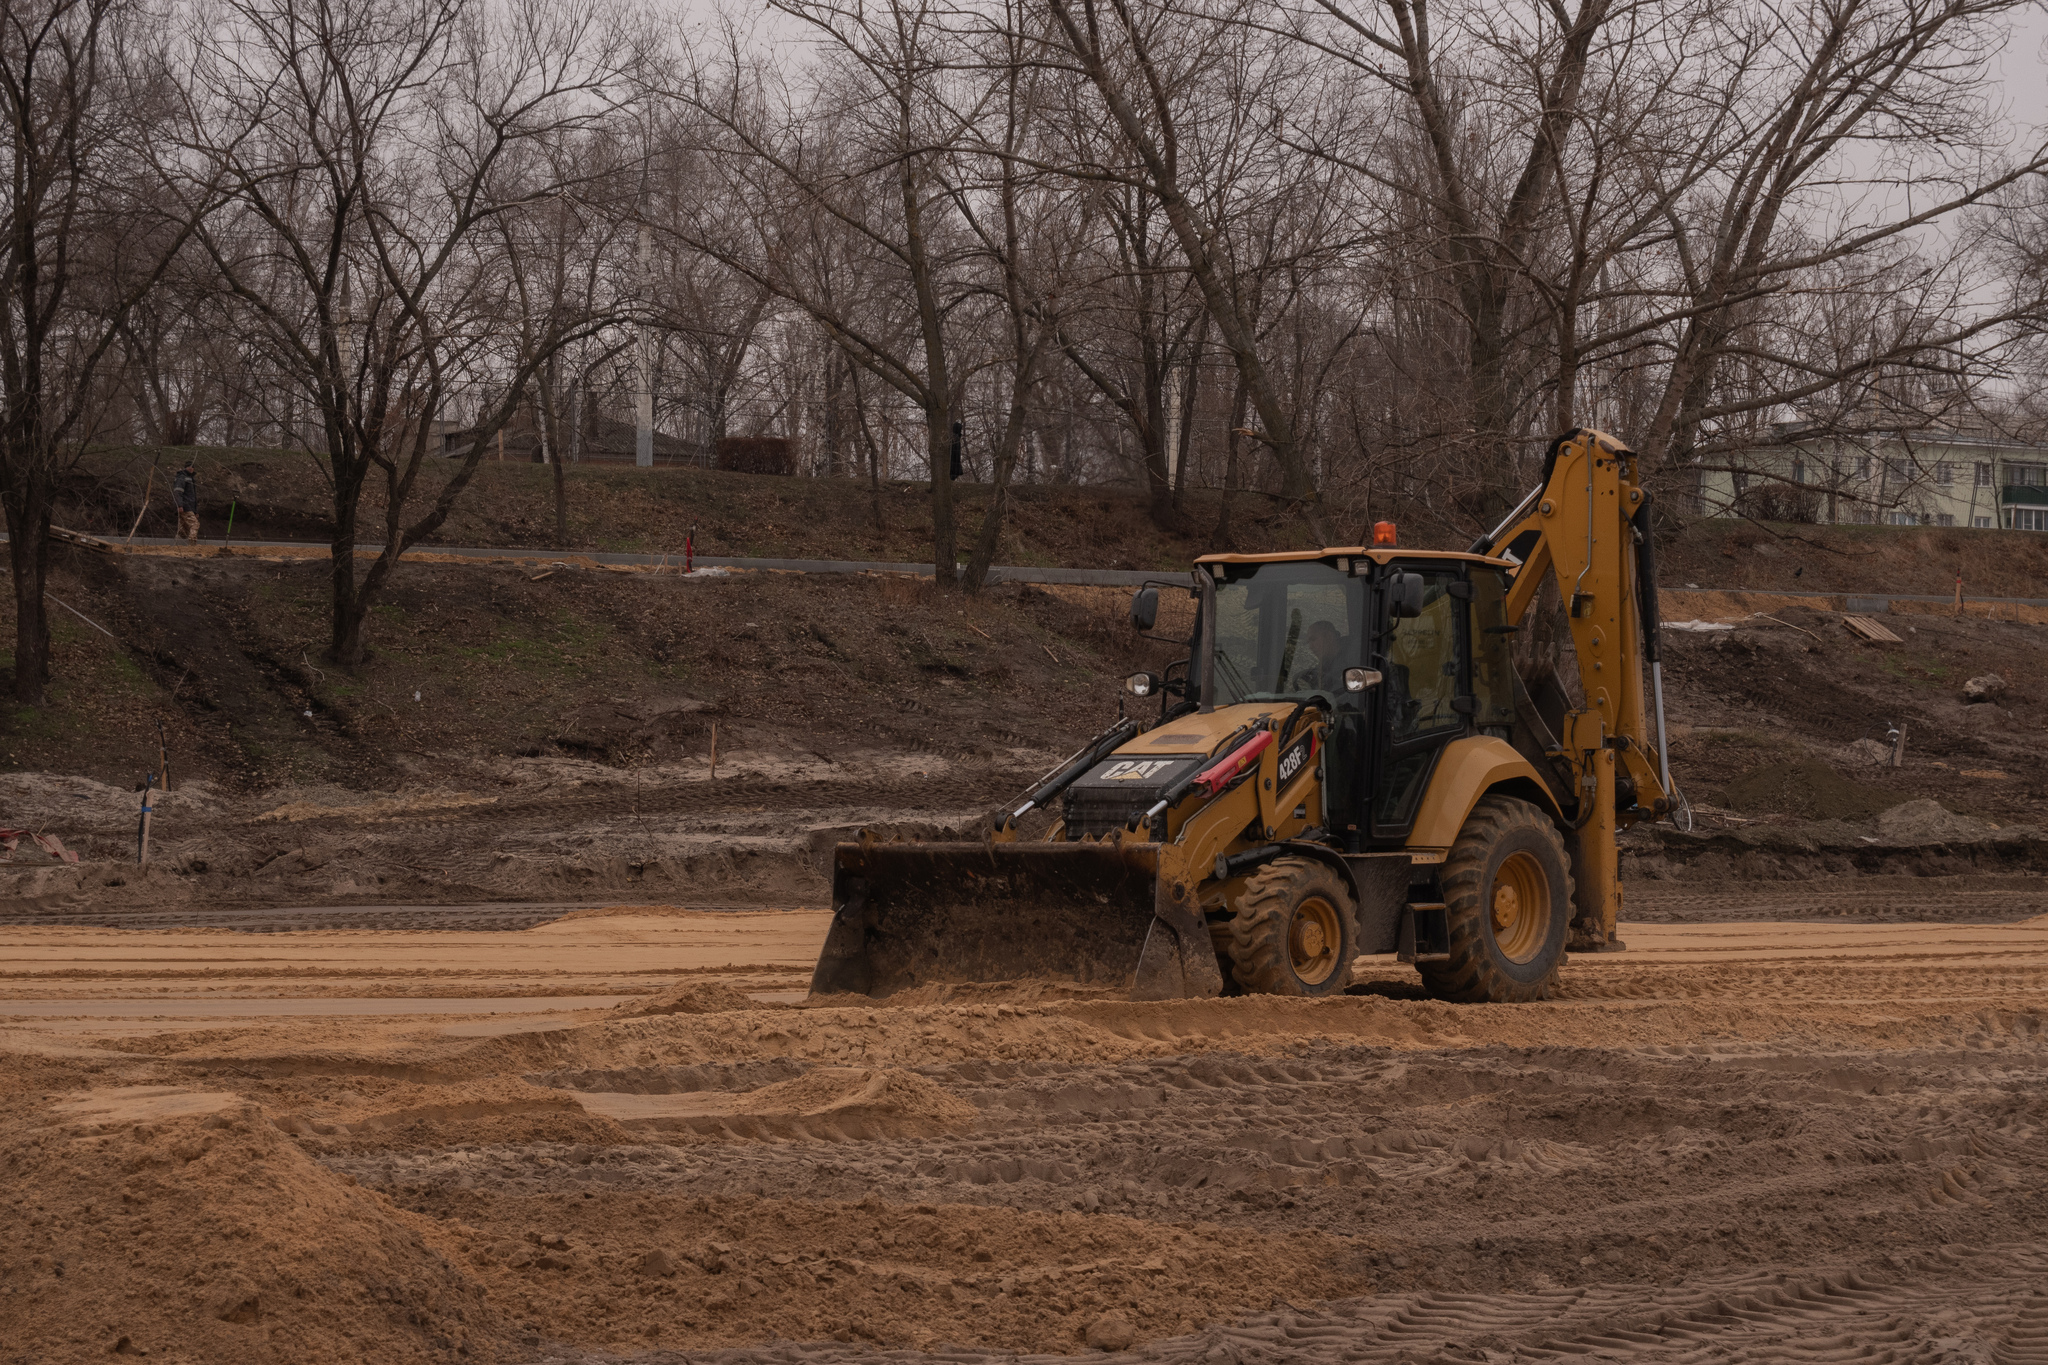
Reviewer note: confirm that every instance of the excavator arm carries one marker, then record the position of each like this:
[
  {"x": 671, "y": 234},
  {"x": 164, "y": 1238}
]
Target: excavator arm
[{"x": 1587, "y": 529}]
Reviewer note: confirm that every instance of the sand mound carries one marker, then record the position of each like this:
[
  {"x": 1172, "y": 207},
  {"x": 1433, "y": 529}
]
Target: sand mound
[
  {"x": 692, "y": 997},
  {"x": 1930, "y": 822},
  {"x": 828, "y": 1104},
  {"x": 1807, "y": 788},
  {"x": 149, "y": 1219}
]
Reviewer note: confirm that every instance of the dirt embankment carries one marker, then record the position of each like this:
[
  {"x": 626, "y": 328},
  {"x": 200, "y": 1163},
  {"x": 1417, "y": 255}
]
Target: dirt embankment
[
  {"x": 479, "y": 661},
  {"x": 1783, "y": 731},
  {"x": 282, "y": 496},
  {"x": 279, "y": 495},
  {"x": 569, "y": 721}
]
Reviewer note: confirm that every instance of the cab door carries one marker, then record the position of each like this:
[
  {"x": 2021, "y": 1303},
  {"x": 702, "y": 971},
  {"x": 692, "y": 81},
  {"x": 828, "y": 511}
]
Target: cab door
[{"x": 1424, "y": 699}]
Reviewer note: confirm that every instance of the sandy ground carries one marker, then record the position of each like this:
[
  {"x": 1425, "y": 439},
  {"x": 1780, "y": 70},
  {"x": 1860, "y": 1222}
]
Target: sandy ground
[{"x": 1736, "y": 1141}]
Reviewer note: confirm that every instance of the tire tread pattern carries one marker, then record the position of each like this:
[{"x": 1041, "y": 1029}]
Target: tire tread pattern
[
  {"x": 1471, "y": 977},
  {"x": 1255, "y": 938}
]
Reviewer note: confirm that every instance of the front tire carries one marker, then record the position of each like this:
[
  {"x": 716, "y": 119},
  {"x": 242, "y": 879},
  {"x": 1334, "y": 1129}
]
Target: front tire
[
  {"x": 1507, "y": 897},
  {"x": 1295, "y": 930}
]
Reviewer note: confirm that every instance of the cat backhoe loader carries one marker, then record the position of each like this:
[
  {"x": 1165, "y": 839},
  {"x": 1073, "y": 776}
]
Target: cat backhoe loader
[{"x": 1347, "y": 762}]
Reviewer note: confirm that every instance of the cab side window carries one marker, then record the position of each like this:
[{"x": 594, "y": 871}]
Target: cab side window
[
  {"x": 1422, "y": 660},
  {"x": 1492, "y": 653}
]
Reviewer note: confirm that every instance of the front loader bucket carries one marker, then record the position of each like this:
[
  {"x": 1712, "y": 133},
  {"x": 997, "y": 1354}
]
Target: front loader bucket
[{"x": 910, "y": 914}]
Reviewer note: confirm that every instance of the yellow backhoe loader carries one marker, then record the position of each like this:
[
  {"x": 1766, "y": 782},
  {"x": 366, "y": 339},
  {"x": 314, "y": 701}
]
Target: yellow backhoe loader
[{"x": 1346, "y": 762}]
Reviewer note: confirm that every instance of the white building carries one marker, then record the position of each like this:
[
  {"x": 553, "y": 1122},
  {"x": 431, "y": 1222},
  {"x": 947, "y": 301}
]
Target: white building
[{"x": 1918, "y": 478}]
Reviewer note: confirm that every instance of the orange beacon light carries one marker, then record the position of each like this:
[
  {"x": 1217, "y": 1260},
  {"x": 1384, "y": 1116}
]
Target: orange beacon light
[{"x": 1383, "y": 533}]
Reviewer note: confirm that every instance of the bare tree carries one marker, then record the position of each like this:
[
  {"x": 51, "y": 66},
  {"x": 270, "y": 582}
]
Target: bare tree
[
  {"x": 572, "y": 283},
  {"x": 1161, "y": 73},
  {"x": 370, "y": 147},
  {"x": 825, "y": 193},
  {"x": 82, "y": 91}
]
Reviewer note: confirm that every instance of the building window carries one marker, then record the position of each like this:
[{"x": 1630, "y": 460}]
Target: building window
[
  {"x": 1864, "y": 516},
  {"x": 1981, "y": 523},
  {"x": 2030, "y": 518},
  {"x": 1901, "y": 519},
  {"x": 1983, "y": 474},
  {"x": 1944, "y": 472},
  {"x": 1943, "y": 519},
  {"x": 2026, "y": 475},
  {"x": 1799, "y": 471},
  {"x": 1861, "y": 464},
  {"x": 1898, "y": 470}
]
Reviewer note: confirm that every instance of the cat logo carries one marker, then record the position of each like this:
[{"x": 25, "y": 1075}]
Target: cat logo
[{"x": 1134, "y": 769}]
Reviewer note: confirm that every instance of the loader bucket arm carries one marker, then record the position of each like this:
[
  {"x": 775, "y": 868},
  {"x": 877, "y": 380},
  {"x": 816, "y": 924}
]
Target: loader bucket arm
[{"x": 907, "y": 915}]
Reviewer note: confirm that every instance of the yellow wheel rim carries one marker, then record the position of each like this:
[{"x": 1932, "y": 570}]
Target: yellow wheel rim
[
  {"x": 1521, "y": 907},
  {"x": 1315, "y": 940}
]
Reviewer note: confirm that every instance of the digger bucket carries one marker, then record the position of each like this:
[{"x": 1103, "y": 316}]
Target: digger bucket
[{"x": 907, "y": 915}]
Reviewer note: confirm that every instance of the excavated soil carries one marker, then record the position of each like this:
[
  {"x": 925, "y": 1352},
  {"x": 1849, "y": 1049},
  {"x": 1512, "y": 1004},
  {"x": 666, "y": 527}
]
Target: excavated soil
[{"x": 1731, "y": 1142}]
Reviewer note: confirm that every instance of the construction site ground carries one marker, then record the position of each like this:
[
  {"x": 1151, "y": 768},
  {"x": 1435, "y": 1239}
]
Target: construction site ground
[
  {"x": 460, "y": 1012},
  {"x": 622, "y": 1134}
]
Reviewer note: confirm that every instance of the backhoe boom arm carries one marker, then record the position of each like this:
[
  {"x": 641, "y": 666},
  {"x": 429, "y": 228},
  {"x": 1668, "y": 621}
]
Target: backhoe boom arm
[{"x": 1587, "y": 530}]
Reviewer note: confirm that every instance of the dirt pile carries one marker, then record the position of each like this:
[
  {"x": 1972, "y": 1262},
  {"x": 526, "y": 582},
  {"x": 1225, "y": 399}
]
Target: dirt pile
[
  {"x": 1930, "y": 822},
  {"x": 692, "y": 997},
  {"x": 1808, "y": 788},
  {"x": 183, "y": 1225}
]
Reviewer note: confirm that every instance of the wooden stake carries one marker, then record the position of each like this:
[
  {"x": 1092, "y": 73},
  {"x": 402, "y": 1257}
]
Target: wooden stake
[
  {"x": 714, "y": 750},
  {"x": 1959, "y": 594},
  {"x": 142, "y": 833},
  {"x": 1899, "y": 747},
  {"x": 163, "y": 757},
  {"x": 147, "y": 484}
]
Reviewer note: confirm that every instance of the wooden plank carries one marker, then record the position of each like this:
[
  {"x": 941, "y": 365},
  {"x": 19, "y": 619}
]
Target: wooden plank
[
  {"x": 1866, "y": 628},
  {"x": 79, "y": 538}
]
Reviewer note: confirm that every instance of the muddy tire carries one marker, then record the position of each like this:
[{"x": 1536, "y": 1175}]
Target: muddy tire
[
  {"x": 1295, "y": 930},
  {"x": 1507, "y": 898}
]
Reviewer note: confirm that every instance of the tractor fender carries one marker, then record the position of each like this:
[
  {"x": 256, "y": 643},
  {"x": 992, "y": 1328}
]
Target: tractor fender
[
  {"x": 1322, "y": 853},
  {"x": 1467, "y": 770}
]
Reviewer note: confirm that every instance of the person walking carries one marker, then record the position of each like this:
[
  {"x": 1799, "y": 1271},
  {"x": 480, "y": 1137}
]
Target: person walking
[{"x": 185, "y": 497}]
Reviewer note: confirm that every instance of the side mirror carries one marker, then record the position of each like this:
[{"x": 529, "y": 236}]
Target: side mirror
[
  {"x": 1404, "y": 595},
  {"x": 1145, "y": 608},
  {"x": 1359, "y": 679},
  {"x": 1141, "y": 684}
]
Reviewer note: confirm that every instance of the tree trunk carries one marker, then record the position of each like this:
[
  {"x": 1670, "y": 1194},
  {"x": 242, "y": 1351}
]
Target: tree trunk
[
  {"x": 561, "y": 503},
  {"x": 1223, "y": 538},
  {"x": 347, "y": 605},
  {"x": 1189, "y": 398},
  {"x": 1014, "y": 424},
  {"x": 938, "y": 441},
  {"x": 835, "y": 416},
  {"x": 28, "y": 553},
  {"x": 345, "y": 639}
]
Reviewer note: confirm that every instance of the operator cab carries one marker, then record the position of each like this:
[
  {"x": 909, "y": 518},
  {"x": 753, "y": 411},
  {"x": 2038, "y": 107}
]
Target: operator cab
[{"x": 1405, "y": 651}]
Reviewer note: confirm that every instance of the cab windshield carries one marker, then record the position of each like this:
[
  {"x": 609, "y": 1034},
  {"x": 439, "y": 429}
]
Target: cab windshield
[{"x": 1284, "y": 632}]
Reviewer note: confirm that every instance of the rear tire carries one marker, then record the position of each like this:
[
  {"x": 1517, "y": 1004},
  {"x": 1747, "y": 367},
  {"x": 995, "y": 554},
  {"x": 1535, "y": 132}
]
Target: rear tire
[
  {"x": 1295, "y": 930},
  {"x": 1507, "y": 898}
]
